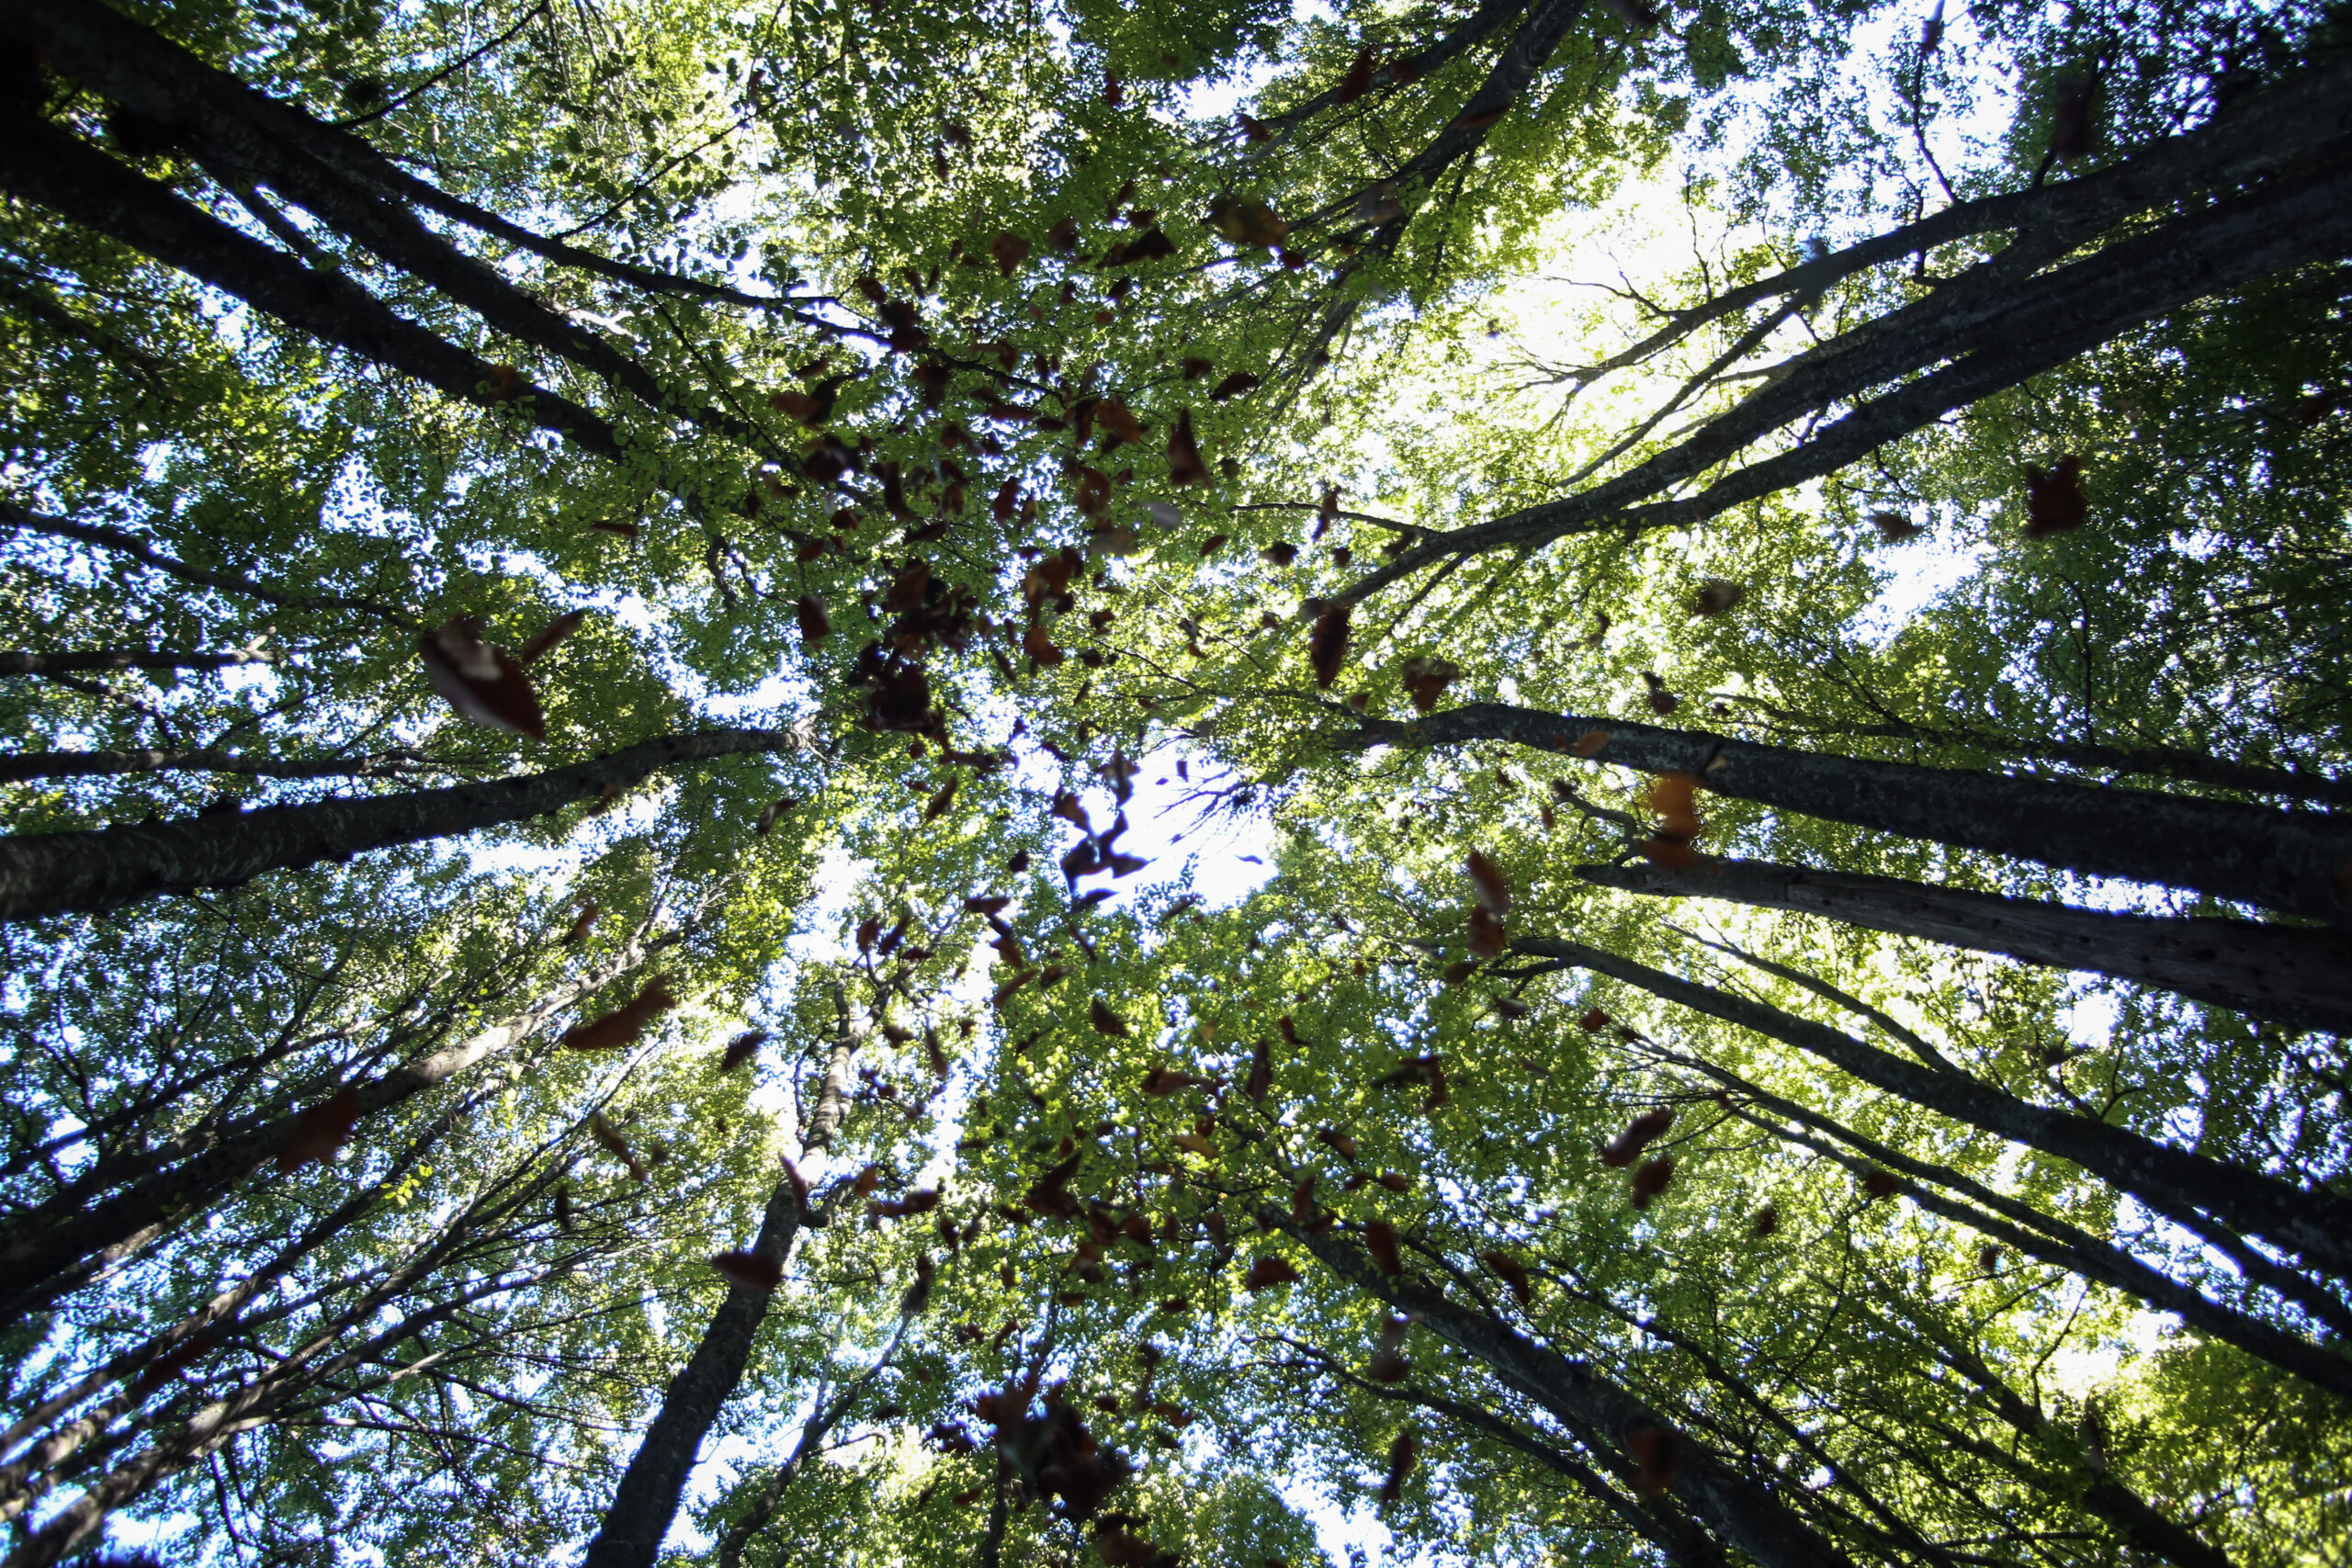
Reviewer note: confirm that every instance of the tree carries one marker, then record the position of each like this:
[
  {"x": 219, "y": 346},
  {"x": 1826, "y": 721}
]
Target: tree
[{"x": 1780, "y": 998}]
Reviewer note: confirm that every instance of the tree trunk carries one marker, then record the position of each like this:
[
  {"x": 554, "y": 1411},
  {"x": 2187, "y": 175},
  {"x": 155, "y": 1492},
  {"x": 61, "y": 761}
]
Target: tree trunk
[
  {"x": 59, "y": 1246},
  {"x": 2287, "y": 860},
  {"x": 646, "y": 1501},
  {"x": 2099, "y": 1492},
  {"x": 2295, "y": 974},
  {"x": 258, "y": 1401},
  {"x": 53, "y": 873},
  {"x": 1672, "y": 1534},
  {"x": 1993, "y": 327},
  {"x": 2036, "y": 1234},
  {"x": 19, "y": 1479},
  {"x": 45, "y": 165},
  {"x": 1732, "y": 1507},
  {"x": 141, "y": 68},
  {"x": 2311, "y": 1221},
  {"x": 2169, "y": 763},
  {"x": 18, "y": 767}
]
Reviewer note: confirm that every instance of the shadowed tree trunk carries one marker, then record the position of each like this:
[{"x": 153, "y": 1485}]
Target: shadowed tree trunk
[
  {"x": 2036, "y": 1234},
  {"x": 22, "y": 664},
  {"x": 23, "y": 1481},
  {"x": 1734, "y": 1509},
  {"x": 2294, "y": 862},
  {"x": 60, "y": 1245},
  {"x": 2310, "y": 1221},
  {"x": 302, "y": 1368},
  {"x": 42, "y": 163},
  {"x": 1671, "y": 1534},
  {"x": 54, "y": 873},
  {"x": 1996, "y": 325},
  {"x": 646, "y": 1501},
  {"x": 2295, "y": 974}
]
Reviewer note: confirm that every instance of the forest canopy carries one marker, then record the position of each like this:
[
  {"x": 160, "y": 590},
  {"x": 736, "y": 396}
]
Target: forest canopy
[{"x": 1451, "y": 782}]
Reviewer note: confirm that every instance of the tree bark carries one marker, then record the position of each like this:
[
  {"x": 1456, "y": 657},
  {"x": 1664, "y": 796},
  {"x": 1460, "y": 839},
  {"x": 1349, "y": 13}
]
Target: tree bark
[
  {"x": 646, "y": 1501},
  {"x": 1735, "y": 1509},
  {"x": 55, "y": 1248},
  {"x": 2040, "y": 1235},
  {"x": 55, "y": 874},
  {"x": 2293, "y": 862},
  {"x": 141, "y": 69},
  {"x": 2310, "y": 1221},
  {"x": 254, "y": 1404},
  {"x": 41, "y": 163},
  {"x": 1996, "y": 325},
  {"x": 1674, "y": 1536},
  {"x": 2295, "y": 974},
  {"x": 2099, "y": 1490},
  {"x": 19, "y": 1479},
  {"x": 2170, "y": 763},
  {"x": 2255, "y": 140}
]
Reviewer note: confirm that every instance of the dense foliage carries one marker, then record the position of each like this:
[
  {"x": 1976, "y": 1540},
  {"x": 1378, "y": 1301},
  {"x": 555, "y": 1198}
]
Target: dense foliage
[{"x": 1493, "y": 781}]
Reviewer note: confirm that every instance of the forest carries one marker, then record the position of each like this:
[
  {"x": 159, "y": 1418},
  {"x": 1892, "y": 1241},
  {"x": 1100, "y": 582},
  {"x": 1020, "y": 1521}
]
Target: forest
[{"x": 1241, "y": 783}]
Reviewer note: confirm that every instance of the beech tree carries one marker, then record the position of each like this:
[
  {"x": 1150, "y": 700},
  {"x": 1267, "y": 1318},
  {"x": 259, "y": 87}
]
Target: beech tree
[{"x": 1487, "y": 781}]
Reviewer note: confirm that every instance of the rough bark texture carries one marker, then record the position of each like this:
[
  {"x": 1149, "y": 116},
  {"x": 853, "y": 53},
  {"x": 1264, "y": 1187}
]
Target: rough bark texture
[
  {"x": 2255, "y": 140},
  {"x": 1671, "y": 1535},
  {"x": 2292, "y": 861},
  {"x": 242, "y": 130},
  {"x": 1734, "y": 1509},
  {"x": 256, "y": 1403},
  {"x": 2310, "y": 1221},
  {"x": 647, "y": 1498},
  {"x": 2295, "y": 974},
  {"x": 42, "y": 163},
  {"x": 140, "y": 68},
  {"x": 24, "y": 1481},
  {"x": 55, "y": 874}
]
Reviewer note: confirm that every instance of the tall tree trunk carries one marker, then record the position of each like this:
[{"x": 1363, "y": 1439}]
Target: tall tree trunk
[
  {"x": 20, "y": 1479},
  {"x": 2032, "y": 1233},
  {"x": 59, "y": 1246},
  {"x": 44, "y": 165},
  {"x": 1673, "y": 1534},
  {"x": 646, "y": 1501},
  {"x": 2308, "y": 1221},
  {"x": 2097, "y": 1489},
  {"x": 53, "y": 873},
  {"x": 22, "y": 664},
  {"x": 143, "y": 70},
  {"x": 239, "y": 133},
  {"x": 2295, "y": 862},
  {"x": 1735, "y": 1509},
  {"x": 1994, "y": 326},
  {"x": 2295, "y": 974},
  {"x": 2171, "y": 762},
  {"x": 260, "y": 1400},
  {"x": 19, "y": 766}
]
